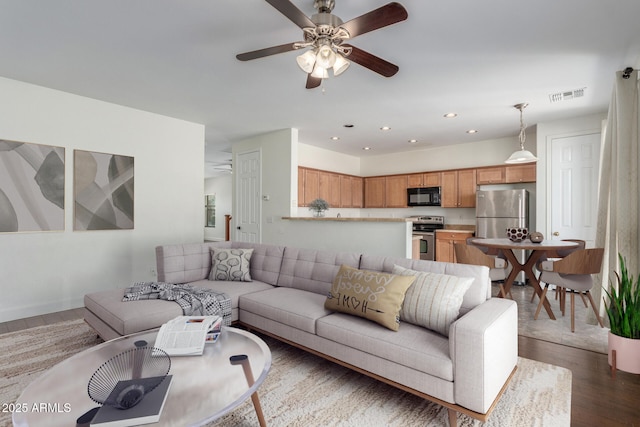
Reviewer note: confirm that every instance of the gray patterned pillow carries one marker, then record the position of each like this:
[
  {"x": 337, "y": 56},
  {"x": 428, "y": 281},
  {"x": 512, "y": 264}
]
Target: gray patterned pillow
[
  {"x": 433, "y": 301},
  {"x": 230, "y": 264}
]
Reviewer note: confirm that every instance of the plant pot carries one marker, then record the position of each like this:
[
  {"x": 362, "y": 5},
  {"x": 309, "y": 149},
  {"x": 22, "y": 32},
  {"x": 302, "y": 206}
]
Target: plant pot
[
  {"x": 627, "y": 353},
  {"x": 318, "y": 214}
]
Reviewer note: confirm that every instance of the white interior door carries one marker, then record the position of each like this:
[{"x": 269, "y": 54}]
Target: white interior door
[
  {"x": 574, "y": 187},
  {"x": 248, "y": 197}
]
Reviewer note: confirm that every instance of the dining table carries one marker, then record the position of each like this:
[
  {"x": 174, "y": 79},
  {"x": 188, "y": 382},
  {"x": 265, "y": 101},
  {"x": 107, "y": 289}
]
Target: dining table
[{"x": 537, "y": 250}]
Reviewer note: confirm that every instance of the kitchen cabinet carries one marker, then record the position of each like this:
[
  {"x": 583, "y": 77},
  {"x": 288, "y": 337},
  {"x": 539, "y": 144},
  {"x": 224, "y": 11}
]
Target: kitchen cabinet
[
  {"x": 329, "y": 188},
  {"x": 396, "y": 191},
  {"x": 491, "y": 175},
  {"x": 520, "y": 173},
  {"x": 506, "y": 174},
  {"x": 339, "y": 190},
  {"x": 310, "y": 185},
  {"x": 459, "y": 188},
  {"x": 426, "y": 179},
  {"x": 374, "y": 192},
  {"x": 445, "y": 240}
]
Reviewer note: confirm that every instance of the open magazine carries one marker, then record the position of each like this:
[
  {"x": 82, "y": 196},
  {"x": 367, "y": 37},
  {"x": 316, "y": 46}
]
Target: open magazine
[{"x": 187, "y": 335}]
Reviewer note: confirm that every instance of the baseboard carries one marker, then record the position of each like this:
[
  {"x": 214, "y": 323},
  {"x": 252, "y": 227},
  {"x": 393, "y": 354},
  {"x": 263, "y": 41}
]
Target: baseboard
[{"x": 14, "y": 313}]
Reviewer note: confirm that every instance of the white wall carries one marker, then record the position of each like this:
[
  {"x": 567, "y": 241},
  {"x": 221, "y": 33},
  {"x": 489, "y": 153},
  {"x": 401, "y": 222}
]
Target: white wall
[
  {"x": 467, "y": 155},
  {"x": 320, "y": 158},
  {"x": 47, "y": 272},
  {"x": 221, "y": 187}
]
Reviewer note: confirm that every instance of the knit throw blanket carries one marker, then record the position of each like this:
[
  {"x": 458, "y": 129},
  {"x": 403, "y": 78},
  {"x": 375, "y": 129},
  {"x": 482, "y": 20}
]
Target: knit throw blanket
[{"x": 193, "y": 301}]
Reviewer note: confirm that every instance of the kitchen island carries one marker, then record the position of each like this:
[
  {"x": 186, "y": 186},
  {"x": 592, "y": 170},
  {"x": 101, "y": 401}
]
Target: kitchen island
[{"x": 379, "y": 236}]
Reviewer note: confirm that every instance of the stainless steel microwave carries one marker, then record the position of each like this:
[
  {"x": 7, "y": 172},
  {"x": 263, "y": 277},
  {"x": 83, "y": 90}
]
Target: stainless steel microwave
[{"x": 424, "y": 196}]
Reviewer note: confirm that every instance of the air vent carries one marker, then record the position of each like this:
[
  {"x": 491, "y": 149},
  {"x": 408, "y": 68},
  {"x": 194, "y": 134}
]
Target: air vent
[{"x": 567, "y": 95}]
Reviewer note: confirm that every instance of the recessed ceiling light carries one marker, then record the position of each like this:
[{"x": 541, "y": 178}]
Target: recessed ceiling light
[
  {"x": 334, "y": 138},
  {"x": 472, "y": 131},
  {"x": 413, "y": 141},
  {"x": 451, "y": 115},
  {"x": 385, "y": 128},
  {"x": 366, "y": 148}
]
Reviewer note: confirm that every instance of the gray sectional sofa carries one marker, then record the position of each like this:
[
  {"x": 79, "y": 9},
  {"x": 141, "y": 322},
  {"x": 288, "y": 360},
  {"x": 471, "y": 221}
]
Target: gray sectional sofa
[{"x": 465, "y": 372}]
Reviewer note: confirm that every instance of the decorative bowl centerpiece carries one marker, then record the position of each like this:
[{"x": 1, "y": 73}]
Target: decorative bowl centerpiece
[
  {"x": 517, "y": 234},
  {"x": 536, "y": 237}
]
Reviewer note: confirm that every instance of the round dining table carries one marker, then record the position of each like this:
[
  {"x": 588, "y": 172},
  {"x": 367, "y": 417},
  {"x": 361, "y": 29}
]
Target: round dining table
[{"x": 507, "y": 246}]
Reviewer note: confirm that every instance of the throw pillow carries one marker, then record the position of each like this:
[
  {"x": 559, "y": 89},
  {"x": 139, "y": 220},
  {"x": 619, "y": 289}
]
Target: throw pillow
[
  {"x": 230, "y": 264},
  {"x": 369, "y": 294},
  {"x": 433, "y": 300}
]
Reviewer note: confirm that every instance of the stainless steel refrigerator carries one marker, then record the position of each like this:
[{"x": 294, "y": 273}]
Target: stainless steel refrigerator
[{"x": 497, "y": 210}]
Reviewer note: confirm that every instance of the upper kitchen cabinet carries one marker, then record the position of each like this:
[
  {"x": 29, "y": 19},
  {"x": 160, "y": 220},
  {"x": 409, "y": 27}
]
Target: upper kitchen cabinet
[
  {"x": 520, "y": 173},
  {"x": 459, "y": 188},
  {"x": 385, "y": 191},
  {"x": 426, "y": 179},
  {"x": 337, "y": 189},
  {"x": 374, "y": 192},
  {"x": 351, "y": 191},
  {"x": 491, "y": 175},
  {"x": 396, "y": 191}
]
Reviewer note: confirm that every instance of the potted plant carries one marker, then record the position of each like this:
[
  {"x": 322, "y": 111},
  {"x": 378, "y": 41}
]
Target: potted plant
[
  {"x": 318, "y": 206},
  {"x": 623, "y": 311}
]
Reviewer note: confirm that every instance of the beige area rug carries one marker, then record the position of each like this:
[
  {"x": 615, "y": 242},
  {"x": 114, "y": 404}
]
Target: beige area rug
[{"x": 305, "y": 390}]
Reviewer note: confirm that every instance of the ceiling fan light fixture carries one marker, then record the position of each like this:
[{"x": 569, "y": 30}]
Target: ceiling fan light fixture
[
  {"x": 325, "y": 57},
  {"x": 522, "y": 155},
  {"x": 319, "y": 72},
  {"x": 306, "y": 61},
  {"x": 340, "y": 66}
]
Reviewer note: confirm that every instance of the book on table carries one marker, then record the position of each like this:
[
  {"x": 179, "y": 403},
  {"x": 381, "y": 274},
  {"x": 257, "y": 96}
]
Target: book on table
[
  {"x": 186, "y": 335},
  {"x": 147, "y": 411}
]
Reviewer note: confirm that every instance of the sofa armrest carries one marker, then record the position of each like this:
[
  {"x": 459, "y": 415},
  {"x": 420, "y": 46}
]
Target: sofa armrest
[{"x": 484, "y": 349}]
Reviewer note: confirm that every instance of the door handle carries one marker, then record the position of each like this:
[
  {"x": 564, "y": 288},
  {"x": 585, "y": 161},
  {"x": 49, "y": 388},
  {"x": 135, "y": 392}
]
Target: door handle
[{"x": 555, "y": 233}]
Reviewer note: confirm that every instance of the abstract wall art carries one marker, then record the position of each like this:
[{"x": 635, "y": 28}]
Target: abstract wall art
[
  {"x": 103, "y": 191},
  {"x": 31, "y": 187}
]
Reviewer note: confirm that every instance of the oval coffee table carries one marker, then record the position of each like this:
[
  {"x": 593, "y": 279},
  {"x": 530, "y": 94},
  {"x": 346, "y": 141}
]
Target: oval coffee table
[{"x": 203, "y": 388}]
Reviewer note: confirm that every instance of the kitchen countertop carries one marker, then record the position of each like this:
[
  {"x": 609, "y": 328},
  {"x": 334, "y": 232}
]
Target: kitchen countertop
[
  {"x": 345, "y": 219},
  {"x": 459, "y": 228}
]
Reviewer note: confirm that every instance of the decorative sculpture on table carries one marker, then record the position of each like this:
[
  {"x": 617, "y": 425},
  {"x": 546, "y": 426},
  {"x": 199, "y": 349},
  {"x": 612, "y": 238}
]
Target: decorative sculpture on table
[{"x": 517, "y": 234}]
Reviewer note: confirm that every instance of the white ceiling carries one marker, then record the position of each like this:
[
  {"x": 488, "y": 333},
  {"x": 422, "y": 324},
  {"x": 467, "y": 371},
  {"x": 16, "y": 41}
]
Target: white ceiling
[{"x": 475, "y": 58}]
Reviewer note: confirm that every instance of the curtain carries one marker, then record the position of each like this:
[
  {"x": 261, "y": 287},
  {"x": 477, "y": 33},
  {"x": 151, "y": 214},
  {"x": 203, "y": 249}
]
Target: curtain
[{"x": 618, "y": 220}]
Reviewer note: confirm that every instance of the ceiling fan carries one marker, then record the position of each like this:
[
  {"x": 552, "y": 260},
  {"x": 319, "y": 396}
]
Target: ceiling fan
[{"x": 326, "y": 35}]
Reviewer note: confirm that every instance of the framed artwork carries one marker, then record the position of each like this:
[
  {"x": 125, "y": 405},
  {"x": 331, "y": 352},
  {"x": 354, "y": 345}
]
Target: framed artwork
[
  {"x": 31, "y": 187},
  {"x": 210, "y": 210},
  {"x": 103, "y": 191}
]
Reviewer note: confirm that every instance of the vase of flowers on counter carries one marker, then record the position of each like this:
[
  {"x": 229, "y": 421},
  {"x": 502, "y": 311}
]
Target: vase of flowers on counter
[{"x": 318, "y": 207}]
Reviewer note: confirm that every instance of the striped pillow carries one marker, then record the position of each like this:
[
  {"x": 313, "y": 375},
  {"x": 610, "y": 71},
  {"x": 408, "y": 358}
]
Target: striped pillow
[{"x": 433, "y": 300}]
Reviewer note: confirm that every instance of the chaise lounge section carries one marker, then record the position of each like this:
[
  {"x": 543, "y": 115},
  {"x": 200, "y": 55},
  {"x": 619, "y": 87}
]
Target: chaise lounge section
[{"x": 465, "y": 371}]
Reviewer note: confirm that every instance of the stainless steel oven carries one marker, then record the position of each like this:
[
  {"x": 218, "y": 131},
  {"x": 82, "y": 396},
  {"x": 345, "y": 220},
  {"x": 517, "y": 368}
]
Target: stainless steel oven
[{"x": 425, "y": 227}]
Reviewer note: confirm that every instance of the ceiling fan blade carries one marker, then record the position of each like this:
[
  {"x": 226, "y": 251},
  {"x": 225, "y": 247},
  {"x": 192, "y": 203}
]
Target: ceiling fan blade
[
  {"x": 372, "y": 62},
  {"x": 273, "y": 50},
  {"x": 313, "y": 82},
  {"x": 378, "y": 18},
  {"x": 293, "y": 13}
]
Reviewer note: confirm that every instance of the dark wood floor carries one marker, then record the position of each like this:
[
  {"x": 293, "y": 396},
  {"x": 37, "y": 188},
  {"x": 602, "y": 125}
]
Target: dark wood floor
[{"x": 596, "y": 398}]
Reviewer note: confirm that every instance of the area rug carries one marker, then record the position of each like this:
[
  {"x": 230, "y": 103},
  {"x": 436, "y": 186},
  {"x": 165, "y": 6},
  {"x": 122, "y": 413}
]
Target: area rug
[{"x": 305, "y": 390}]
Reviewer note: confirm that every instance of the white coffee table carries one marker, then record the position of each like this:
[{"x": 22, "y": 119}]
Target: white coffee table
[{"x": 203, "y": 389}]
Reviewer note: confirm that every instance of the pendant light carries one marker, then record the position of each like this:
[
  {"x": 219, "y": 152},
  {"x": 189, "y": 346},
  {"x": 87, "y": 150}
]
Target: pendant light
[{"x": 522, "y": 155}]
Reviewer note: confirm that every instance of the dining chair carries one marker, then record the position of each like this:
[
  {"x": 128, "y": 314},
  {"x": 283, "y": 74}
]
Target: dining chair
[
  {"x": 471, "y": 254},
  {"x": 561, "y": 253},
  {"x": 572, "y": 274}
]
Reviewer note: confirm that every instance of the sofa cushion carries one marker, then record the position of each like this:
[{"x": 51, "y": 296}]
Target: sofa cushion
[
  {"x": 373, "y": 295},
  {"x": 433, "y": 300},
  {"x": 313, "y": 270},
  {"x": 230, "y": 264},
  {"x": 292, "y": 307},
  {"x": 478, "y": 292},
  {"x": 412, "y": 346}
]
